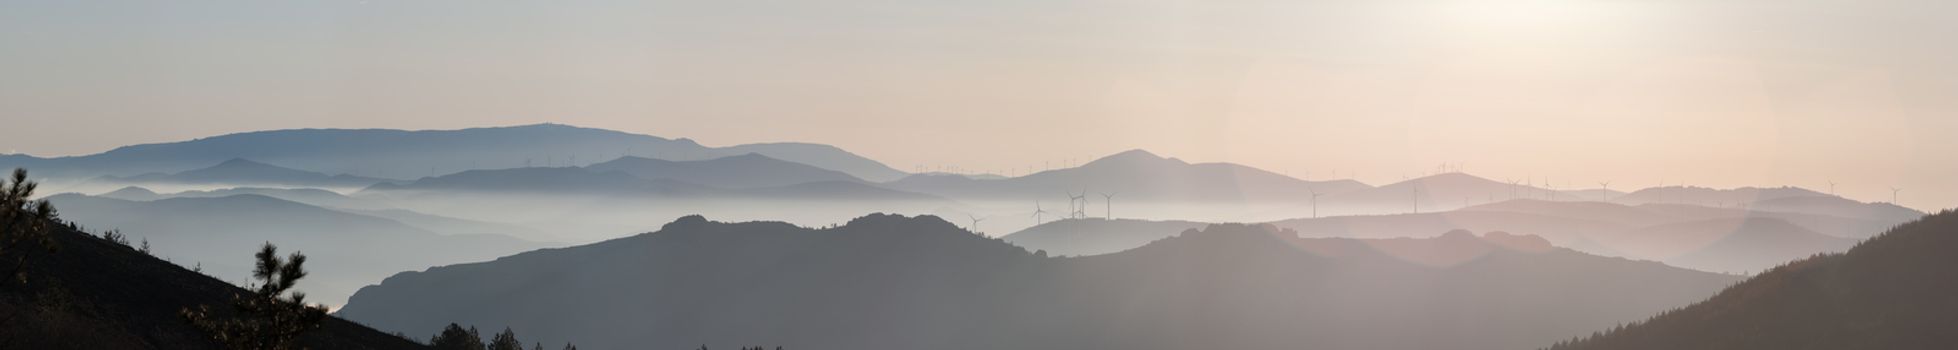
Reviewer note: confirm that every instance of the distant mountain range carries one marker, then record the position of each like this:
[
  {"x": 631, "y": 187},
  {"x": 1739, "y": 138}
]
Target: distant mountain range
[
  {"x": 399, "y": 154},
  {"x": 1893, "y": 291},
  {"x": 338, "y": 202},
  {"x": 243, "y": 172},
  {"x": 1433, "y": 193},
  {"x": 94, "y": 294},
  {"x": 739, "y": 177},
  {"x": 1133, "y": 175},
  {"x": 891, "y": 282},
  {"x": 743, "y": 171},
  {"x": 316, "y": 197},
  {"x": 1710, "y": 239},
  {"x": 349, "y": 250}
]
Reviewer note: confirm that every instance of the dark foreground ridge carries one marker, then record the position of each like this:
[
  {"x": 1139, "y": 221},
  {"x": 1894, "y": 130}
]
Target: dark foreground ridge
[
  {"x": 895, "y": 282},
  {"x": 97, "y": 294},
  {"x": 1898, "y": 290}
]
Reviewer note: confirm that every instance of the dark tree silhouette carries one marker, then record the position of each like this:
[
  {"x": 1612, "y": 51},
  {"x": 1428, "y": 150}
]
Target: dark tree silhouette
[
  {"x": 454, "y": 337},
  {"x": 505, "y": 341},
  {"x": 24, "y": 222},
  {"x": 268, "y": 318}
]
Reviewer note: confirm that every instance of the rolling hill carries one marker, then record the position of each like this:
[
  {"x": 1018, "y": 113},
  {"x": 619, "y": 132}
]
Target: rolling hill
[
  {"x": 1095, "y": 236},
  {"x": 1709, "y": 239},
  {"x": 892, "y": 282},
  {"x": 1892, "y": 291},
  {"x": 1434, "y": 193},
  {"x": 538, "y": 181},
  {"x": 605, "y": 182},
  {"x": 312, "y": 196},
  {"x": 243, "y": 172},
  {"x": 1134, "y": 175},
  {"x": 743, "y": 171}
]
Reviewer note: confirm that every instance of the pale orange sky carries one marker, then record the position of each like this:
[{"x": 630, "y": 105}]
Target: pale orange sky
[{"x": 1720, "y": 93}]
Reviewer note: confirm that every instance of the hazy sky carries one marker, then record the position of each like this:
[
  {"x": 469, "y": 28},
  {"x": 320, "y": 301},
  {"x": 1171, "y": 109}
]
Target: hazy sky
[{"x": 1710, "y": 92}]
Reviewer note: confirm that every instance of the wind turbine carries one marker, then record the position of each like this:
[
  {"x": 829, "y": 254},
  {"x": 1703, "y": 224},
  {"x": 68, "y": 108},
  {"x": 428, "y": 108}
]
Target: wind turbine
[
  {"x": 1037, "y": 212},
  {"x": 975, "y": 223},
  {"x": 1108, "y": 204},
  {"x": 1893, "y": 194},
  {"x": 1606, "y": 193},
  {"x": 1082, "y": 213},
  {"x": 1832, "y": 188},
  {"x": 1081, "y": 210},
  {"x": 1071, "y": 200},
  {"x": 1315, "y": 202},
  {"x": 1416, "y": 199}
]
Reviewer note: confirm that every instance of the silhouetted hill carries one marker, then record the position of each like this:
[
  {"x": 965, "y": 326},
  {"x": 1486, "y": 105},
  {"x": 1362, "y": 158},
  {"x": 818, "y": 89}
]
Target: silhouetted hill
[
  {"x": 892, "y": 282},
  {"x": 1094, "y": 236},
  {"x": 133, "y": 193},
  {"x": 821, "y": 156},
  {"x": 242, "y": 172},
  {"x": 1746, "y": 245},
  {"x": 742, "y": 171},
  {"x": 614, "y": 183},
  {"x": 401, "y": 154},
  {"x": 349, "y": 250},
  {"x": 559, "y": 181},
  {"x": 311, "y": 196},
  {"x": 1893, "y": 291},
  {"x": 1133, "y": 175},
  {"x": 1838, "y": 206},
  {"x": 834, "y": 190},
  {"x": 1710, "y": 239},
  {"x": 1820, "y": 222},
  {"x": 1439, "y": 192},
  {"x": 93, "y": 294},
  {"x": 1713, "y": 197}
]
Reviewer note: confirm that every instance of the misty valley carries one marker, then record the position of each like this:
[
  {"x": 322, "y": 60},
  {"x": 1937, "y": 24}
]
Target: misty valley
[
  {"x": 979, "y": 175},
  {"x": 739, "y": 246}
]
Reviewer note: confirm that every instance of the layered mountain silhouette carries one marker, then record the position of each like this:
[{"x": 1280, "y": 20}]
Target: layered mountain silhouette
[
  {"x": 400, "y": 154},
  {"x": 313, "y": 196},
  {"x": 893, "y": 282},
  {"x": 742, "y": 171},
  {"x": 1704, "y": 238},
  {"x": 1714, "y": 197},
  {"x": 350, "y": 250},
  {"x": 1892, "y": 291},
  {"x": 243, "y": 172},
  {"x": 617, "y": 179},
  {"x": 1134, "y": 175},
  {"x": 1438, "y": 192},
  {"x": 94, "y": 294},
  {"x": 1096, "y": 236},
  {"x": 539, "y": 180}
]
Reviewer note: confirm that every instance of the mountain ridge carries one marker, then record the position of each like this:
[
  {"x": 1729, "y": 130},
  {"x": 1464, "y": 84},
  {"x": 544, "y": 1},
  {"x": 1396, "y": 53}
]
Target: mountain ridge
[{"x": 699, "y": 281}]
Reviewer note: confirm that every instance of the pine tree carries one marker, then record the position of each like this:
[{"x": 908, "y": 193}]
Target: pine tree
[
  {"x": 506, "y": 341},
  {"x": 454, "y": 337},
  {"x": 267, "y": 318},
  {"x": 24, "y": 221}
]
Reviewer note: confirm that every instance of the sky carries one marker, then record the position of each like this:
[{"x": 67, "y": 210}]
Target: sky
[{"x": 1716, "y": 93}]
